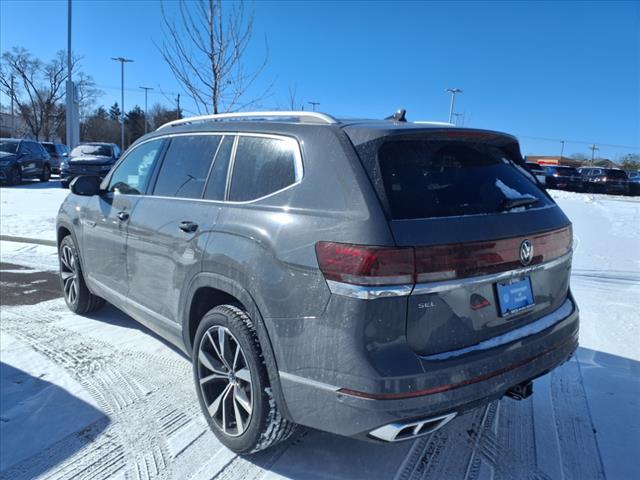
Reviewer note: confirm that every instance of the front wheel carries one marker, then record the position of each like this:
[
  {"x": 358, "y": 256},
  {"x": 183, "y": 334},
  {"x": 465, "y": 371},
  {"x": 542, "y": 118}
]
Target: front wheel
[
  {"x": 232, "y": 383},
  {"x": 76, "y": 294},
  {"x": 46, "y": 174}
]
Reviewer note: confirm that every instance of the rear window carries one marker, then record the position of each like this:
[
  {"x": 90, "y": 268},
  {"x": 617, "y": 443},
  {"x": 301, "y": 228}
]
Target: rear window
[
  {"x": 617, "y": 174},
  {"x": 262, "y": 166},
  {"x": 424, "y": 179}
]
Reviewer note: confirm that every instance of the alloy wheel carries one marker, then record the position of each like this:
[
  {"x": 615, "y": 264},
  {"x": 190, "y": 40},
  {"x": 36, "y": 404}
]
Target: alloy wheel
[
  {"x": 69, "y": 274},
  {"x": 225, "y": 380}
]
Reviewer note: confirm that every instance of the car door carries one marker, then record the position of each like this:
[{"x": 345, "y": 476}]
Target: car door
[
  {"x": 28, "y": 159},
  {"x": 169, "y": 228},
  {"x": 106, "y": 220}
]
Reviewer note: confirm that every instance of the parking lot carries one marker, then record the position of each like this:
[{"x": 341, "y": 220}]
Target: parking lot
[{"x": 103, "y": 397}]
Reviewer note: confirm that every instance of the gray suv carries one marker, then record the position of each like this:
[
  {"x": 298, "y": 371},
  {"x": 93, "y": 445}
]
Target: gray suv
[{"x": 368, "y": 278}]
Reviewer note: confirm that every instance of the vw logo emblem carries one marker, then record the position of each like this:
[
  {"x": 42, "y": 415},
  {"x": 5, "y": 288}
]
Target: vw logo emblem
[{"x": 526, "y": 252}]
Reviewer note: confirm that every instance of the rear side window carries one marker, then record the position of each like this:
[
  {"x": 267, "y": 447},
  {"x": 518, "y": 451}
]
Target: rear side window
[
  {"x": 218, "y": 177},
  {"x": 616, "y": 174},
  {"x": 262, "y": 166},
  {"x": 185, "y": 167},
  {"x": 424, "y": 179}
]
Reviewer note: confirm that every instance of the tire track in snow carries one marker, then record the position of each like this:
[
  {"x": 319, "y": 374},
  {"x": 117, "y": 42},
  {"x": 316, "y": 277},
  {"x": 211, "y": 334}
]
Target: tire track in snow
[{"x": 142, "y": 408}]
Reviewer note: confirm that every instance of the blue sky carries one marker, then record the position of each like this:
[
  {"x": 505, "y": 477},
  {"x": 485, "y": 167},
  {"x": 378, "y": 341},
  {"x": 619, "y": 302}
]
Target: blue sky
[{"x": 544, "y": 71}]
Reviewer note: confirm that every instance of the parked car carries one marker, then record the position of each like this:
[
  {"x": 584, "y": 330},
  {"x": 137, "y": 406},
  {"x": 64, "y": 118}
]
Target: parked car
[
  {"x": 58, "y": 152},
  {"x": 367, "y": 278},
  {"x": 634, "y": 182},
  {"x": 89, "y": 159},
  {"x": 23, "y": 159},
  {"x": 563, "y": 178},
  {"x": 538, "y": 171},
  {"x": 605, "y": 180}
]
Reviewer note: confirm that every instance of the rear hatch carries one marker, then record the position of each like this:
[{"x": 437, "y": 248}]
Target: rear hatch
[{"x": 464, "y": 200}]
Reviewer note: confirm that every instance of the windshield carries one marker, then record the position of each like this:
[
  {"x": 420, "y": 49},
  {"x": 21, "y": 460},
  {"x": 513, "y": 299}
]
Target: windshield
[
  {"x": 425, "y": 179},
  {"x": 617, "y": 174},
  {"x": 97, "y": 150},
  {"x": 9, "y": 147}
]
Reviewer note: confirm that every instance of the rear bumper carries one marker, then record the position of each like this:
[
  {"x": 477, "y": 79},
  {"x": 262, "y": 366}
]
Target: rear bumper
[{"x": 446, "y": 386}]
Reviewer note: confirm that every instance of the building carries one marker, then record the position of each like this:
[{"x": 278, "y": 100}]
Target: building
[{"x": 554, "y": 160}]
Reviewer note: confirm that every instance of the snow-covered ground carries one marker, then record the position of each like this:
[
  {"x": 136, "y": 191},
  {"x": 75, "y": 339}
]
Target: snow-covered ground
[{"x": 103, "y": 397}]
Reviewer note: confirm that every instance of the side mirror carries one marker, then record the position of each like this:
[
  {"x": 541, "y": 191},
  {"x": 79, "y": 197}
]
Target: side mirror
[{"x": 85, "y": 185}]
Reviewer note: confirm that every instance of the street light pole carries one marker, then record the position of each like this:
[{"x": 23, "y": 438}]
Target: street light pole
[
  {"x": 458, "y": 115},
  {"x": 313, "y": 105},
  {"x": 593, "y": 148},
  {"x": 146, "y": 90},
  {"x": 453, "y": 92},
  {"x": 122, "y": 61},
  {"x": 561, "y": 149}
]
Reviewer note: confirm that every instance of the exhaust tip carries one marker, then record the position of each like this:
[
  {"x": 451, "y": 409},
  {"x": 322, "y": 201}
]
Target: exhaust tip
[{"x": 395, "y": 432}]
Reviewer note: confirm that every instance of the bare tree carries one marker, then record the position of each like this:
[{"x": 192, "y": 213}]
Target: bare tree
[
  {"x": 294, "y": 102},
  {"x": 38, "y": 89},
  {"x": 205, "y": 48}
]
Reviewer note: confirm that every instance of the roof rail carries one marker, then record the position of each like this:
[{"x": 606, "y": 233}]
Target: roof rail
[
  {"x": 302, "y": 116},
  {"x": 427, "y": 122}
]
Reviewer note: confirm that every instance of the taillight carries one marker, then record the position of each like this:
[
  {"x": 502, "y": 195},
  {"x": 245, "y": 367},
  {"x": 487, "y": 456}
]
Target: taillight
[{"x": 365, "y": 265}]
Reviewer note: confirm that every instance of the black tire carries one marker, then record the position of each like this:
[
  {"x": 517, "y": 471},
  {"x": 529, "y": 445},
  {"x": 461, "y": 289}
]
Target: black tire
[
  {"x": 46, "y": 174},
  {"x": 264, "y": 427},
  {"x": 14, "y": 177},
  {"x": 74, "y": 289},
  {"x": 64, "y": 184}
]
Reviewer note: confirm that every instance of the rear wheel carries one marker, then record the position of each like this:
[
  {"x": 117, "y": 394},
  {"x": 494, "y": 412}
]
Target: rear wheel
[
  {"x": 76, "y": 294},
  {"x": 46, "y": 173},
  {"x": 232, "y": 383},
  {"x": 14, "y": 177}
]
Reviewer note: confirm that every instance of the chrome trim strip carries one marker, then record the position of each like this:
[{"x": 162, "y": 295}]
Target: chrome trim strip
[
  {"x": 437, "y": 287},
  {"x": 307, "y": 381},
  {"x": 527, "y": 330},
  {"x": 301, "y": 115},
  {"x": 372, "y": 292},
  {"x": 390, "y": 432}
]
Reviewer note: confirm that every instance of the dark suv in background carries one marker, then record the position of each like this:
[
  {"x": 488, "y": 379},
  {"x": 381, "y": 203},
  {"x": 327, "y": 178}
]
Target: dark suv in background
[
  {"x": 368, "y": 278},
  {"x": 23, "y": 159},
  {"x": 89, "y": 159},
  {"x": 58, "y": 153},
  {"x": 605, "y": 180},
  {"x": 563, "y": 178}
]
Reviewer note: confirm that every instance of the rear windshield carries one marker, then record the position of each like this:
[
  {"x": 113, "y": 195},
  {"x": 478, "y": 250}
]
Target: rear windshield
[
  {"x": 424, "y": 179},
  {"x": 617, "y": 174}
]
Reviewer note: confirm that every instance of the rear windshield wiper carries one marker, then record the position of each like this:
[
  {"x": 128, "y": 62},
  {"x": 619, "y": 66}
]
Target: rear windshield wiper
[{"x": 510, "y": 203}]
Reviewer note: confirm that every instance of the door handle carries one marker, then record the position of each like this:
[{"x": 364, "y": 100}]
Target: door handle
[
  {"x": 123, "y": 216},
  {"x": 188, "y": 227}
]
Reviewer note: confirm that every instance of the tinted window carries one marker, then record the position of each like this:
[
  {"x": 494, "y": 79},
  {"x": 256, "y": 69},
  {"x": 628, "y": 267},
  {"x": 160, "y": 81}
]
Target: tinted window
[
  {"x": 261, "y": 166},
  {"x": 218, "y": 176},
  {"x": 186, "y": 165},
  {"x": 132, "y": 175},
  {"x": 9, "y": 147},
  {"x": 617, "y": 174},
  {"x": 50, "y": 147},
  {"x": 566, "y": 171},
  {"x": 444, "y": 178}
]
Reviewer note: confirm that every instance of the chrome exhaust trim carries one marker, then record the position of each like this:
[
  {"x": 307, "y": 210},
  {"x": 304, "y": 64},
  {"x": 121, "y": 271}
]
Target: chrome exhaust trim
[{"x": 396, "y": 432}]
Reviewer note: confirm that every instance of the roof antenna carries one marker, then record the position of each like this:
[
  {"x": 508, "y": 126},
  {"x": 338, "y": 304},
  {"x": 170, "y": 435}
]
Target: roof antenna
[{"x": 399, "y": 116}]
